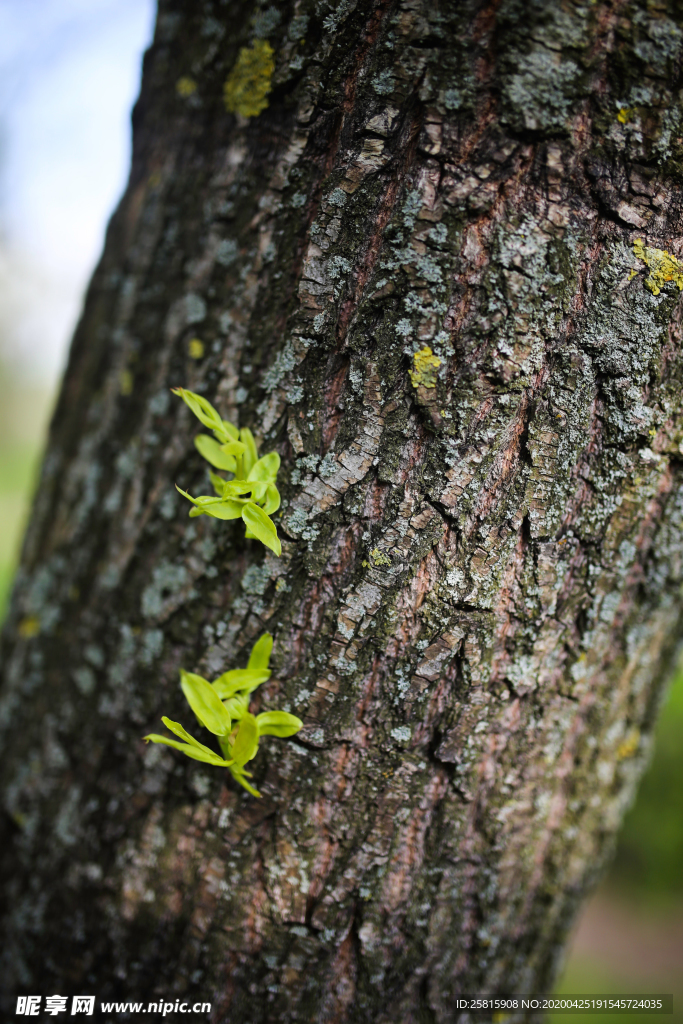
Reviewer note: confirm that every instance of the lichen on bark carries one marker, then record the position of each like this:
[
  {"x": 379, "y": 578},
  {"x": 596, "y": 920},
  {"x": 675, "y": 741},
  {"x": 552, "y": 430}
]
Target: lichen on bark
[{"x": 480, "y": 583}]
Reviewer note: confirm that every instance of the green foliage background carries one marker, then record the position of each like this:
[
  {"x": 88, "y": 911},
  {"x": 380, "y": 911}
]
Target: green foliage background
[
  {"x": 649, "y": 862},
  {"x": 24, "y": 414},
  {"x": 643, "y": 890}
]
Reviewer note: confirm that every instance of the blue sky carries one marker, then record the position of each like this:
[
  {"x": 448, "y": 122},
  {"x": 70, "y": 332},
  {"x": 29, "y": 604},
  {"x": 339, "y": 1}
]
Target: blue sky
[{"x": 69, "y": 75}]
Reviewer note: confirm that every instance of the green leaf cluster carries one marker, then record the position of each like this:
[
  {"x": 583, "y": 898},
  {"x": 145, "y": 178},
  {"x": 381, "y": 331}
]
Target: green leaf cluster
[
  {"x": 222, "y": 707},
  {"x": 251, "y": 495}
]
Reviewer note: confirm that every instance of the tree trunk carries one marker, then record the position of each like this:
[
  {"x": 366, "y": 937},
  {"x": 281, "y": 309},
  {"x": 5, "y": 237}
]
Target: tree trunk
[{"x": 413, "y": 268}]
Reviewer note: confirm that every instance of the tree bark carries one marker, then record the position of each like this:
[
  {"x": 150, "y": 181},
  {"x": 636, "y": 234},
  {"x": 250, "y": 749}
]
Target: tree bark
[{"x": 413, "y": 275}]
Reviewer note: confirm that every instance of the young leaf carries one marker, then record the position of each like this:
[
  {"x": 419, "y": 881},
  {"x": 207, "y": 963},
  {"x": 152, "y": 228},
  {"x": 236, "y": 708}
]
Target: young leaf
[
  {"x": 239, "y": 679},
  {"x": 177, "y": 728},
  {"x": 201, "y": 500},
  {"x": 233, "y": 488},
  {"x": 218, "y": 483},
  {"x": 272, "y": 500},
  {"x": 261, "y": 526},
  {"x": 237, "y": 706},
  {"x": 230, "y": 509},
  {"x": 233, "y": 448},
  {"x": 205, "y": 501},
  {"x": 246, "y": 741},
  {"x": 239, "y": 777},
  {"x": 253, "y": 680},
  {"x": 202, "y": 408},
  {"x": 205, "y": 703},
  {"x": 231, "y": 431},
  {"x": 265, "y": 468},
  {"x": 277, "y": 723},
  {"x": 260, "y": 654},
  {"x": 215, "y": 453},
  {"x": 251, "y": 455},
  {"x": 197, "y": 753},
  {"x": 221, "y": 510},
  {"x": 207, "y": 505}
]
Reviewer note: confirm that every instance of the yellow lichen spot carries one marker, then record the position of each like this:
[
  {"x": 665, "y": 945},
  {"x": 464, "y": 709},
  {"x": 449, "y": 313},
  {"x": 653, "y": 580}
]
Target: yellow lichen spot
[
  {"x": 625, "y": 114},
  {"x": 195, "y": 349},
  {"x": 249, "y": 83},
  {"x": 379, "y": 558},
  {"x": 425, "y": 365},
  {"x": 154, "y": 180},
  {"x": 126, "y": 383},
  {"x": 628, "y": 745},
  {"x": 186, "y": 86},
  {"x": 29, "y": 627},
  {"x": 662, "y": 265}
]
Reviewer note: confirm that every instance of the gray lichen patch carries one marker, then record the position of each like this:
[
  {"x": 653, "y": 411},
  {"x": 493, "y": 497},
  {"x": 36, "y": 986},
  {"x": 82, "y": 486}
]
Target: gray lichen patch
[{"x": 167, "y": 581}]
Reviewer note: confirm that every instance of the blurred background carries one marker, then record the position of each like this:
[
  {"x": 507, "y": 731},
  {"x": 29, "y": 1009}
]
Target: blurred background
[{"x": 69, "y": 75}]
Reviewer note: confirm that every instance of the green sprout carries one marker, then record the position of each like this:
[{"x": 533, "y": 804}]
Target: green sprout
[
  {"x": 222, "y": 707},
  {"x": 251, "y": 495}
]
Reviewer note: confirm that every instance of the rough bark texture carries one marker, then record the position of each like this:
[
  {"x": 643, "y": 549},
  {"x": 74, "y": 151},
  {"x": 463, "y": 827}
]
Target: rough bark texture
[{"x": 482, "y": 557}]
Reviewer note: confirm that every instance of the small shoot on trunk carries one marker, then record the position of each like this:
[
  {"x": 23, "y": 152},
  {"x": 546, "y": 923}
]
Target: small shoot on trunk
[
  {"x": 222, "y": 707},
  {"x": 251, "y": 494}
]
